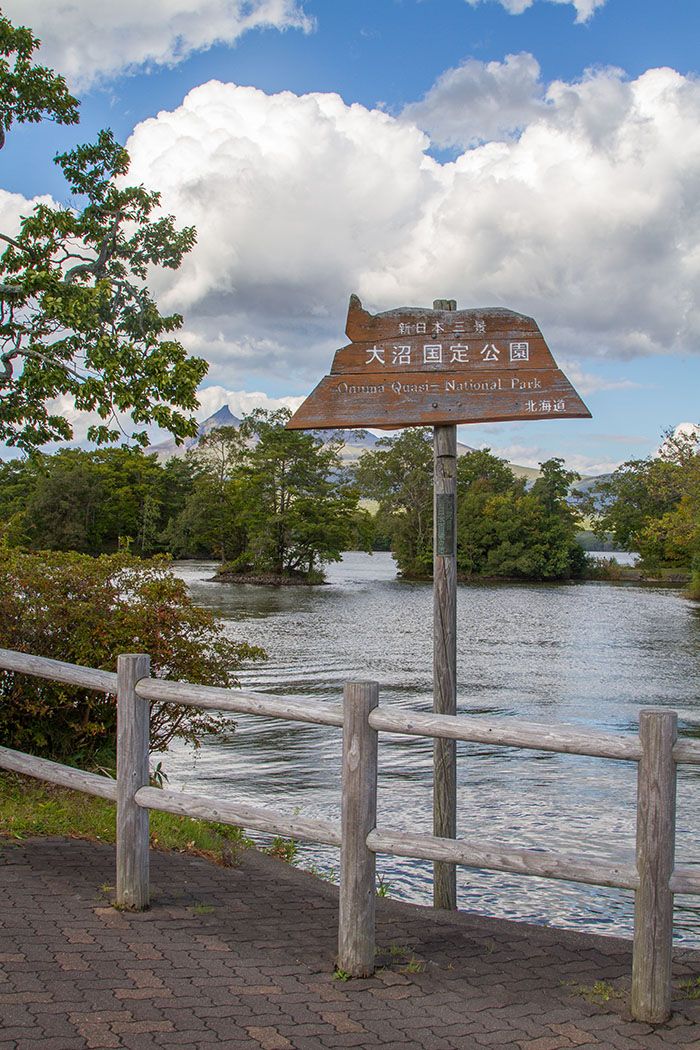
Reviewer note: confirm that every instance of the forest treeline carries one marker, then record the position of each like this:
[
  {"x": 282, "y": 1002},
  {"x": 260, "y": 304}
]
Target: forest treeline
[
  {"x": 259, "y": 498},
  {"x": 264, "y": 500}
]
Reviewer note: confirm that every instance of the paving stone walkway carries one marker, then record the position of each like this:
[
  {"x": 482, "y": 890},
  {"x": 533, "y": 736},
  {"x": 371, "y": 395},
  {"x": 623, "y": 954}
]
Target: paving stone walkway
[{"x": 243, "y": 958}]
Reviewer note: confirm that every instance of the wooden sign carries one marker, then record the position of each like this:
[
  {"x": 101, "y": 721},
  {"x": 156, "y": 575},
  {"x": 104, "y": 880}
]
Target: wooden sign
[{"x": 420, "y": 367}]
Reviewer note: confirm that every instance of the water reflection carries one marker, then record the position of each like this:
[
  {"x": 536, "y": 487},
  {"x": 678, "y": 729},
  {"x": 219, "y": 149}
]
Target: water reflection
[{"x": 587, "y": 654}]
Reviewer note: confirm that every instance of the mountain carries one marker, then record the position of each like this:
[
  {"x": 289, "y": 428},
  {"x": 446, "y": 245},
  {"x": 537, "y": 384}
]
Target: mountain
[
  {"x": 355, "y": 442},
  {"x": 223, "y": 418}
]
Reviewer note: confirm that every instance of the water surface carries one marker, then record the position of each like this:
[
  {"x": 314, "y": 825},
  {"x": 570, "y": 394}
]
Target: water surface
[{"x": 587, "y": 654}]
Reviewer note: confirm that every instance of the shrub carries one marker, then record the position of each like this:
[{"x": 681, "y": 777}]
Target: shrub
[{"x": 87, "y": 611}]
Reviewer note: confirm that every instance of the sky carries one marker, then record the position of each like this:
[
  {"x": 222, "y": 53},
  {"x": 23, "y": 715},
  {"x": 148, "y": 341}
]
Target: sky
[{"x": 538, "y": 155}]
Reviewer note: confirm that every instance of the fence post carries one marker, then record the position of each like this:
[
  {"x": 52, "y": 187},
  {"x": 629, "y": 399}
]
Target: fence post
[
  {"x": 133, "y": 716},
  {"x": 359, "y": 817},
  {"x": 656, "y": 833}
]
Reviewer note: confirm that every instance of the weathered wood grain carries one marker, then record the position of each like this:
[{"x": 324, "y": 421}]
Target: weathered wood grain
[
  {"x": 685, "y": 879},
  {"x": 596, "y": 871},
  {"x": 445, "y": 653},
  {"x": 213, "y": 698},
  {"x": 58, "y": 671},
  {"x": 687, "y": 751},
  {"x": 56, "y": 773},
  {"x": 413, "y": 366},
  {"x": 539, "y": 737},
  {"x": 252, "y": 818},
  {"x": 133, "y": 716},
  {"x": 656, "y": 829},
  {"x": 389, "y": 400},
  {"x": 356, "y": 937}
]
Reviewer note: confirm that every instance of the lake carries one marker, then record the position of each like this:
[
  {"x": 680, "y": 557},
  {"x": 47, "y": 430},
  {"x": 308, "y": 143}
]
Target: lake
[{"x": 589, "y": 654}]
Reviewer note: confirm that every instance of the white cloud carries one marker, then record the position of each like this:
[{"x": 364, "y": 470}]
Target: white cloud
[
  {"x": 588, "y": 218},
  {"x": 296, "y": 201},
  {"x": 241, "y": 402},
  {"x": 588, "y": 383},
  {"x": 90, "y": 42},
  {"x": 479, "y": 101},
  {"x": 584, "y": 8},
  {"x": 532, "y": 455}
]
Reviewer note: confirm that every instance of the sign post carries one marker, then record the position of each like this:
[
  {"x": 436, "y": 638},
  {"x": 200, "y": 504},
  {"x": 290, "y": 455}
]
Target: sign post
[
  {"x": 418, "y": 367},
  {"x": 445, "y": 644}
]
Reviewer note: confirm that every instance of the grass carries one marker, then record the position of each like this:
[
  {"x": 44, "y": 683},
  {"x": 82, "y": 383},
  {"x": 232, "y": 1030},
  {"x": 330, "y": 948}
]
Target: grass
[
  {"x": 32, "y": 807},
  {"x": 691, "y": 988},
  {"x": 399, "y": 957},
  {"x": 598, "y": 992}
]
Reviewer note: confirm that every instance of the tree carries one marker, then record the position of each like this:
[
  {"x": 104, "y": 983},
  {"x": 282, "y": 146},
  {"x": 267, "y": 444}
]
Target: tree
[
  {"x": 86, "y": 611},
  {"x": 77, "y": 315},
  {"x": 29, "y": 93},
  {"x": 504, "y": 531},
  {"x": 399, "y": 475},
  {"x": 217, "y": 461},
  {"x": 652, "y": 506},
  {"x": 296, "y": 506},
  {"x": 631, "y": 502},
  {"x": 85, "y": 501},
  {"x": 481, "y": 477}
]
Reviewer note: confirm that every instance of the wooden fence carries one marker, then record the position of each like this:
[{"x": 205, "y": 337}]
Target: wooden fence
[{"x": 656, "y": 750}]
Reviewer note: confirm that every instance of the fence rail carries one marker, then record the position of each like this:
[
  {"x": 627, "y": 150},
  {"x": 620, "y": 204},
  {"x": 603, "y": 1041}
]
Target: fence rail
[{"x": 651, "y": 874}]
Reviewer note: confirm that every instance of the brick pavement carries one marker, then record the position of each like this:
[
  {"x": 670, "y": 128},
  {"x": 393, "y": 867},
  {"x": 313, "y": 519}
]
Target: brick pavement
[{"x": 243, "y": 958}]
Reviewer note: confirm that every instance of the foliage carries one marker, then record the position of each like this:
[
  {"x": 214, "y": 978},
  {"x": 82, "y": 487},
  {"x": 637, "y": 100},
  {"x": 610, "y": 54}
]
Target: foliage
[
  {"x": 76, "y": 311},
  {"x": 87, "y": 611},
  {"x": 267, "y": 500},
  {"x": 502, "y": 530},
  {"x": 29, "y": 93},
  {"x": 263, "y": 500},
  {"x": 87, "y": 501},
  {"x": 76, "y": 318},
  {"x": 209, "y": 522},
  {"x": 652, "y": 506},
  {"x": 298, "y": 510},
  {"x": 505, "y": 531},
  {"x": 398, "y": 474}
]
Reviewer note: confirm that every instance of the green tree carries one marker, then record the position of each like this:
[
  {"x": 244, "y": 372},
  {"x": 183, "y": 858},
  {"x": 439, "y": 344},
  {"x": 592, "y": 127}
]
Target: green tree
[
  {"x": 76, "y": 316},
  {"x": 87, "y": 501},
  {"x": 208, "y": 523},
  {"x": 218, "y": 459},
  {"x": 295, "y": 504},
  {"x": 29, "y": 93},
  {"x": 398, "y": 474},
  {"x": 62, "y": 512},
  {"x": 504, "y": 531},
  {"x": 18, "y": 480},
  {"x": 86, "y": 611},
  {"x": 652, "y": 506},
  {"x": 631, "y": 502},
  {"x": 481, "y": 476}
]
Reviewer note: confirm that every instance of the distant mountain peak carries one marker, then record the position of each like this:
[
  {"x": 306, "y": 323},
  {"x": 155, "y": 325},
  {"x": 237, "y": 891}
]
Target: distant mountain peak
[{"x": 223, "y": 417}]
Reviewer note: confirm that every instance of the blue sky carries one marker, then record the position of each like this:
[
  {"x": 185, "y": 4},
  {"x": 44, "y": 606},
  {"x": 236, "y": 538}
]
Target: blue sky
[{"x": 542, "y": 155}]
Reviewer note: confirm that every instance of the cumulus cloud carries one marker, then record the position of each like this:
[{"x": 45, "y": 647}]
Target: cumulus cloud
[
  {"x": 90, "y": 42},
  {"x": 479, "y": 101},
  {"x": 585, "y": 216},
  {"x": 584, "y": 8},
  {"x": 241, "y": 402}
]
